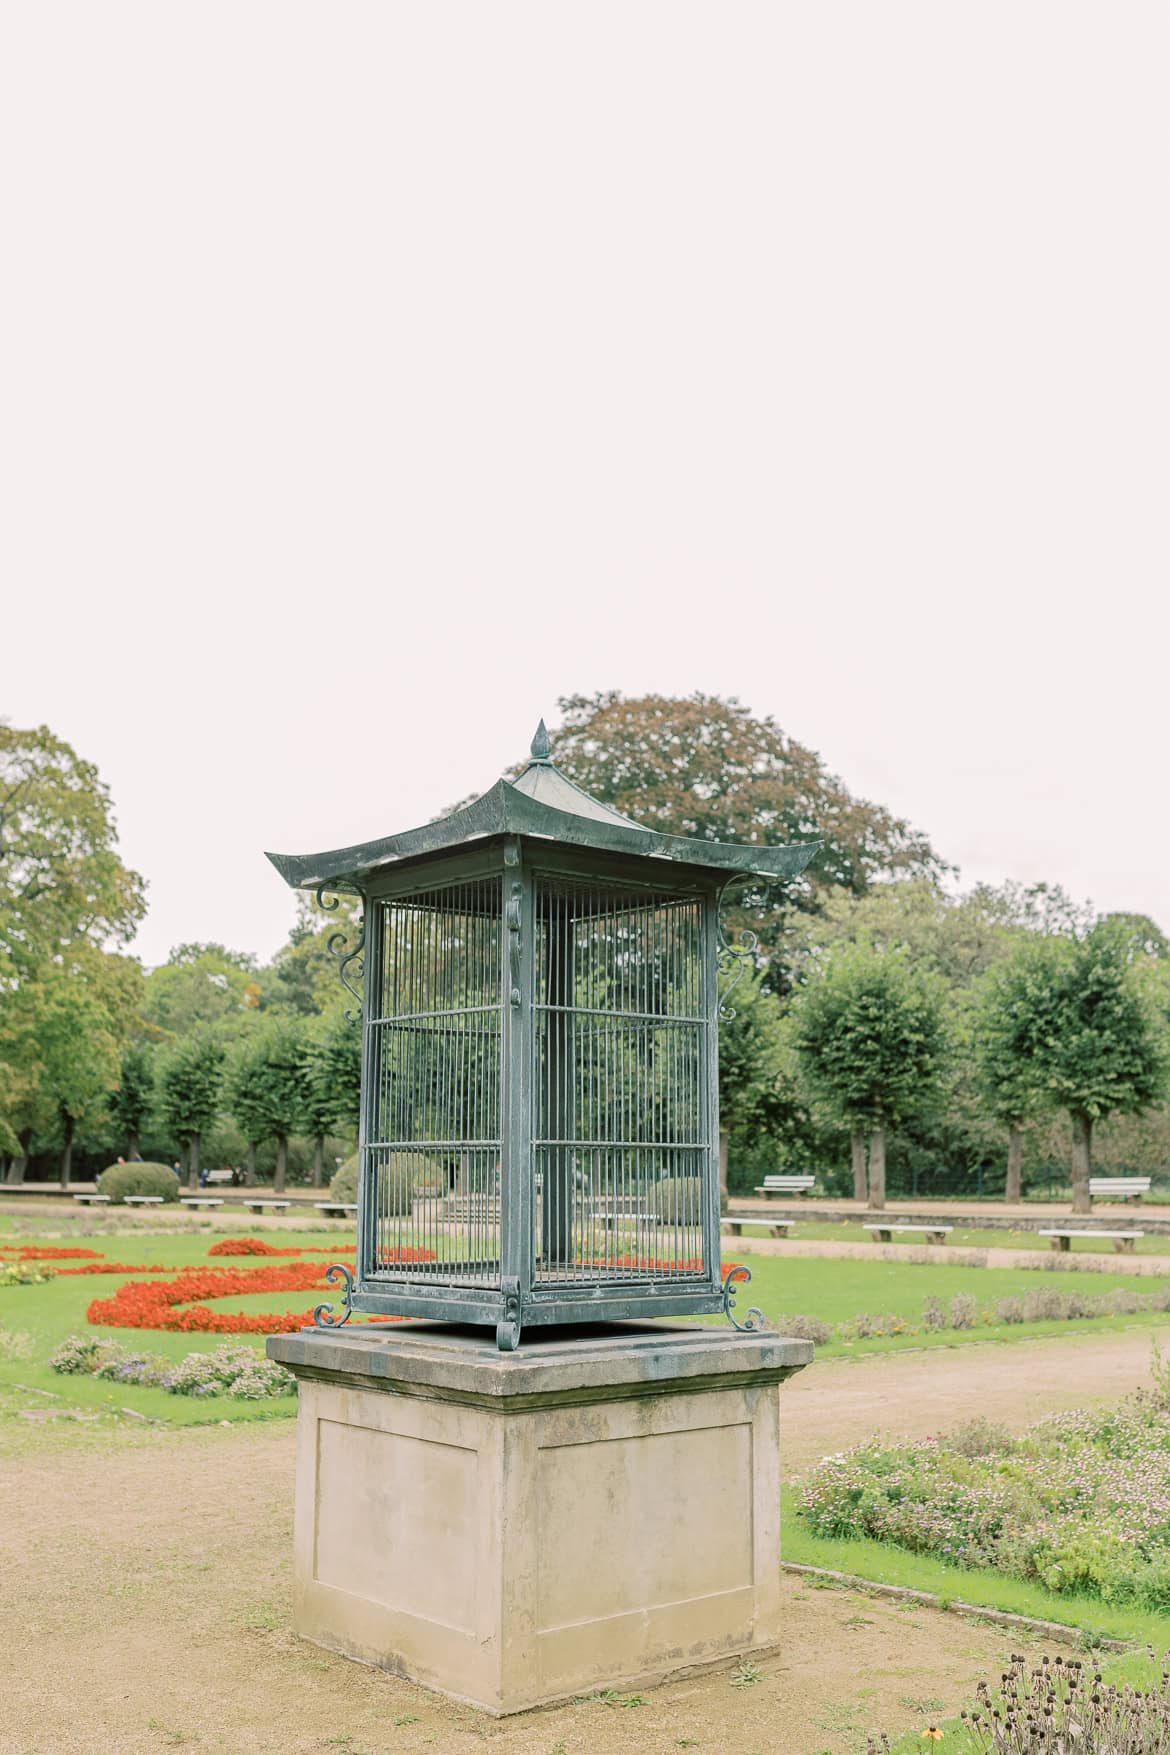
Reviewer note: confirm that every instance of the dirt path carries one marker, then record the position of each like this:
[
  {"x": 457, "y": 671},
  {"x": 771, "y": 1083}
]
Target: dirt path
[
  {"x": 145, "y": 1593},
  {"x": 913, "y": 1394}
]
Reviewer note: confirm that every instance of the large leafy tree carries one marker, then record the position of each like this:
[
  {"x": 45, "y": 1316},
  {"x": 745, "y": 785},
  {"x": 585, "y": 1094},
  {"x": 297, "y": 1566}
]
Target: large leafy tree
[
  {"x": 266, "y": 1085},
  {"x": 709, "y": 768},
  {"x": 190, "y": 1085},
  {"x": 1080, "y": 1025},
  {"x": 65, "y": 898},
  {"x": 870, "y": 1038},
  {"x": 200, "y": 984}
]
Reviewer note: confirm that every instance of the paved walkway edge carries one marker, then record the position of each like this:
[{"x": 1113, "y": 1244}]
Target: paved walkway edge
[{"x": 930, "y": 1600}]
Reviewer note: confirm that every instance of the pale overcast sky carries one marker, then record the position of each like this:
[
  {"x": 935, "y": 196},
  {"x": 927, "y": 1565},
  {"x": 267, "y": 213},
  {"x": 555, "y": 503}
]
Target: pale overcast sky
[{"x": 374, "y": 374}]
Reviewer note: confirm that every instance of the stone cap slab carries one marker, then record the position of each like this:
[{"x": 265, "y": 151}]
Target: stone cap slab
[{"x": 558, "y": 1366}]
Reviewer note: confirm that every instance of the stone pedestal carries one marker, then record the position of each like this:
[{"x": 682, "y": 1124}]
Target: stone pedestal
[{"x": 599, "y": 1509}]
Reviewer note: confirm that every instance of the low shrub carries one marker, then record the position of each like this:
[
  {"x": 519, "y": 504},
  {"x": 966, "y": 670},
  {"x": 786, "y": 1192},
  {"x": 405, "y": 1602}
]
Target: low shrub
[
  {"x": 1077, "y": 1503},
  {"x": 963, "y": 1312},
  {"x": 401, "y": 1176},
  {"x": 123, "y": 1179},
  {"x": 806, "y": 1328},
  {"x": 231, "y": 1371},
  {"x": 24, "y": 1273},
  {"x": 15, "y": 1345}
]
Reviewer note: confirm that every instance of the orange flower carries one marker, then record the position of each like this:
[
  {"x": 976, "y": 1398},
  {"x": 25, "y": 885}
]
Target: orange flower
[{"x": 933, "y": 1732}]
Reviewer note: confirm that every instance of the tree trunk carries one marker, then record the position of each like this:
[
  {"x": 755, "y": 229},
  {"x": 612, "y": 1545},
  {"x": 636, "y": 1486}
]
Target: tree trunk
[
  {"x": 877, "y": 1168},
  {"x": 1082, "y": 1162},
  {"x": 281, "y": 1163},
  {"x": 132, "y": 1145},
  {"x": 250, "y": 1165},
  {"x": 1015, "y": 1163},
  {"x": 318, "y": 1159},
  {"x": 19, "y": 1166},
  {"x": 67, "y": 1150},
  {"x": 194, "y": 1149},
  {"x": 857, "y": 1149},
  {"x": 724, "y": 1156}
]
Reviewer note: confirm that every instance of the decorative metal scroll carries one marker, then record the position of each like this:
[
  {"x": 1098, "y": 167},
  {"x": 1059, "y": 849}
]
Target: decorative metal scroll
[
  {"x": 508, "y": 1328},
  {"x": 335, "y": 944},
  {"x": 733, "y": 959},
  {"x": 323, "y": 1316},
  {"x": 513, "y": 921},
  {"x": 729, "y": 1291}
]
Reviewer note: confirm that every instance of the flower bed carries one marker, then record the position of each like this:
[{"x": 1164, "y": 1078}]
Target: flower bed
[
  {"x": 24, "y": 1273},
  {"x": 49, "y": 1252},
  {"x": 233, "y": 1371},
  {"x": 1080, "y": 1502},
  {"x": 154, "y": 1303}
]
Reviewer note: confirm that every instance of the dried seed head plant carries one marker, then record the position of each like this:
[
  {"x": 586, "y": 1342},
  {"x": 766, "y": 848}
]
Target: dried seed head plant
[{"x": 1062, "y": 1707}]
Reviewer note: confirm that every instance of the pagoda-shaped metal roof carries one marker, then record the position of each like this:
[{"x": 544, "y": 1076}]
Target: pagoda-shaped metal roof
[{"x": 541, "y": 802}]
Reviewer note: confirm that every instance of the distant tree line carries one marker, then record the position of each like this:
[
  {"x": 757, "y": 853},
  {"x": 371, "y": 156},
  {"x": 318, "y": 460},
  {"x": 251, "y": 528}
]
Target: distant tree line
[{"x": 891, "y": 1031}]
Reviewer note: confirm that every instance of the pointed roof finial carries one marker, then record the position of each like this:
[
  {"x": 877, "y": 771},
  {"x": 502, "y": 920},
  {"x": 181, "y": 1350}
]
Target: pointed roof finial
[{"x": 541, "y": 749}]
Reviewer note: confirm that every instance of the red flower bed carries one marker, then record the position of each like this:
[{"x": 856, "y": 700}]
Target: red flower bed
[
  {"x": 49, "y": 1252},
  {"x": 120, "y": 1267},
  {"x": 693, "y": 1265},
  {"x": 256, "y": 1246},
  {"x": 153, "y": 1303}
]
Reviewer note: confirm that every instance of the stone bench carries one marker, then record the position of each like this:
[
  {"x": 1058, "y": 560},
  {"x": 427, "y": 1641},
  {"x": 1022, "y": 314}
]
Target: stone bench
[
  {"x": 336, "y": 1209},
  {"x": 774, "y": 1227},
  {"x": 197, "y": 1200},
  {"x": 773, "y": 1185},
  {"x": 1123, "y": 1241},
  {"x": 932, "y": 1233},
  {"x": 93, "y": 1200},
  {"x": 260, "y": 1206},
  {"x": 1127, "y": 1188},
  {"x": 227, "y": 1176},
  {"x": 143, "y": 1200}
]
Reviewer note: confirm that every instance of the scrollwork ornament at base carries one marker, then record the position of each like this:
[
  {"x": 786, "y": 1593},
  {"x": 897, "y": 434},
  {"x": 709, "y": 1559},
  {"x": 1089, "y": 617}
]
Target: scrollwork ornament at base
[
  {"x": 729, "y": 1291},
  {"x": 508, "y": 1328},
  {"x": 323, "y": 1316}
]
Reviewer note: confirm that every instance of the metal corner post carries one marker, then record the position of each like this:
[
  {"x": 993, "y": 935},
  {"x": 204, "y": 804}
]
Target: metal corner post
[
  {"x": 367, "y": 1228},
  {"x": 712, "y": 1215},
  {"x": 517, "y": 1191}
]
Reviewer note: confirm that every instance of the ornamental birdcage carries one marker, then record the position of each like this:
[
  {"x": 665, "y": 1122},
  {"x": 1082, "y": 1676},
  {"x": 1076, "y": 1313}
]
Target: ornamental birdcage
[{"x": 539, "y": 1136}]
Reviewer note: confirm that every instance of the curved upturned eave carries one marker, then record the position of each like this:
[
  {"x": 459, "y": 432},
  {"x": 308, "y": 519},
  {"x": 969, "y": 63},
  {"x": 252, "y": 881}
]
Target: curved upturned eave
[{"x": 505, "y": 810}]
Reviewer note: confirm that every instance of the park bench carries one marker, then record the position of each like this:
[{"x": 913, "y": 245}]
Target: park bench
[
  {"x": 143, "y": 1200},
  {"x": 1127, "y": 1188},
  {"x": 259, "y": 1206},
  {"x": 198, "y": 1200},
  {"x": 932, "y": 1233},
  {"x": 336, "y": 1209},
  {"x": 227, "y": 1176},
  {"x": 772, "y": 1185},
  {"x": 774, "y": 1227},
  {"x": 1123, "y": 1241},
  {"x": 93, "y": 1200}
]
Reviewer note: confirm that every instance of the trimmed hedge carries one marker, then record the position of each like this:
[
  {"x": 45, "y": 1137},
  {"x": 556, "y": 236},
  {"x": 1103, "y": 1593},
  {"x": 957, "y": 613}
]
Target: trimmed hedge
[
  {"x": 123, "y": 1179},
  {"x": 401, "y": 1176}
]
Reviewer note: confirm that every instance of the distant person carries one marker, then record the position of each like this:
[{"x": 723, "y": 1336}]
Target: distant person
[
  {"x": 178, "y": 1170},
  {"x": 136, "y": 1157},
  {"x": 204, "y": 1177}
]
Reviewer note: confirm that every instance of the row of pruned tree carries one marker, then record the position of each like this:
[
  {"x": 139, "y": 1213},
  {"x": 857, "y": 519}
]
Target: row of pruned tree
[
  {"x": 280, "y": 1077},
  {"x": 1062, "y": 1022}
]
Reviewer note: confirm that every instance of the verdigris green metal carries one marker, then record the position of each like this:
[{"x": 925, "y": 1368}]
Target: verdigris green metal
[{"x": 540, "y": 1106}]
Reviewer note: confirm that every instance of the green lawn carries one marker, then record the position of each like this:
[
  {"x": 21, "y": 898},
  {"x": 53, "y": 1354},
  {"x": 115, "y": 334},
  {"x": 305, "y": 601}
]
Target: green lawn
[
  {"x": 49, "y": 1313},
  {"x": 836, "y": 1289}
]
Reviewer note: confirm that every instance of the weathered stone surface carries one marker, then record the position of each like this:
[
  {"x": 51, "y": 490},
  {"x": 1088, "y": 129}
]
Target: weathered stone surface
[{"x": 598, "y": 1509}]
